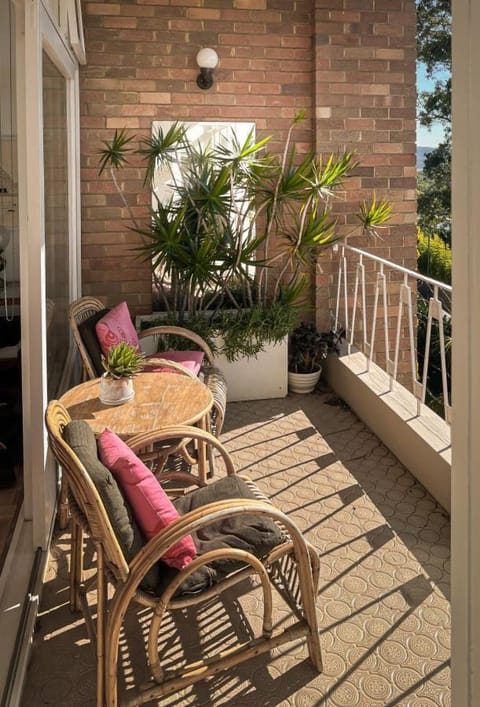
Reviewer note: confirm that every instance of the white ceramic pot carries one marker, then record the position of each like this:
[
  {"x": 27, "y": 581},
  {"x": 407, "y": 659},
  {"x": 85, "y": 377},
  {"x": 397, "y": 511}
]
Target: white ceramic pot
[
  {"x": 115, "y": 391},
  {"x": 303, "y": 382}
]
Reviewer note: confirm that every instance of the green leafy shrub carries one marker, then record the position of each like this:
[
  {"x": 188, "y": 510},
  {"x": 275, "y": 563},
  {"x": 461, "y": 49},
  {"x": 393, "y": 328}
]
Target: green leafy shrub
[{"x": 434, "y": 257}]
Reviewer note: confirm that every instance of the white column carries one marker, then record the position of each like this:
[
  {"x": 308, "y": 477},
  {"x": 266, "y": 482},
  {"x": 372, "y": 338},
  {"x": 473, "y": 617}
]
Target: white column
[{"x": 466, "y": 355}]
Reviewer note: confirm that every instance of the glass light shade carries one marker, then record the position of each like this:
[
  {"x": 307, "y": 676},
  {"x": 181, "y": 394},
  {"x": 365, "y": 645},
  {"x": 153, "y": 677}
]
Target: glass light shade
[{"x": 207, "y": 58}]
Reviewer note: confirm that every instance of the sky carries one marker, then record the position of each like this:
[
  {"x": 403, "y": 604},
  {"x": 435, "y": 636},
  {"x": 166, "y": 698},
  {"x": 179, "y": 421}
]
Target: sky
[{"x": 427, "y": 137}]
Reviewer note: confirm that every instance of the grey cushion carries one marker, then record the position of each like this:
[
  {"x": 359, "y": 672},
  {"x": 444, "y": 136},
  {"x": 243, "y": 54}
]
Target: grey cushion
[
  {"x": 90, "y": 341},
  {"x": 254, "y": 533},
  {"x": 81, "y": 439}
]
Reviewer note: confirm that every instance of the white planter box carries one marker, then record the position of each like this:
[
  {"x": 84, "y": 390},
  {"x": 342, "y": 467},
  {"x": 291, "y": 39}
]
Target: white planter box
[
  {"x": 257, "y": 378},
  {"x": 254, "y": 378}
]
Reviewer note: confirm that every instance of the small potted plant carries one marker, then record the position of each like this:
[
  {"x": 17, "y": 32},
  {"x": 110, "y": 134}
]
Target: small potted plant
[
  {"x": 306, "y": 350},
  {"x": 122, "y": 362}
]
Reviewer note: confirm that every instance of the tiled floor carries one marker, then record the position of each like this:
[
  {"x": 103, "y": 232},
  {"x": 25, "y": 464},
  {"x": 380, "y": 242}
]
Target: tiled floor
[{"x": 383, "y": 601}]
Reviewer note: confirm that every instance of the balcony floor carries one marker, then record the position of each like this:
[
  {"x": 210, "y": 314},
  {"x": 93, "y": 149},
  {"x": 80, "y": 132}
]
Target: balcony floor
[{"x": 384, "y": 585}]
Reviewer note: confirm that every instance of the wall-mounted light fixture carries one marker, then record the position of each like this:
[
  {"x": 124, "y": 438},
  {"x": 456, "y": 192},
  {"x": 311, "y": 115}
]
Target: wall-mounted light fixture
[{"x": 207, "y": 60}]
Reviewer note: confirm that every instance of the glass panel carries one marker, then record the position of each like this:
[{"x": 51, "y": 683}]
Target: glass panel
[
  {"x": 11, "y": 439},
  {"x": 56, "y": 220},
  {"x": 9, "y": 251}
]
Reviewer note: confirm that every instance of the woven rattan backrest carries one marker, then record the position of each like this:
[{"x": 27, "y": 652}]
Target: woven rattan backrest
[
  {"x": 94, "y": 519},
  {"x": 79, "y": 311}
]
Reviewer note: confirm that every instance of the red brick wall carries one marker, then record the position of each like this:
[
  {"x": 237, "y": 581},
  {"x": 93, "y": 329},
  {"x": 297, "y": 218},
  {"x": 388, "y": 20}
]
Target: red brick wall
[
  {"x": 141, "y": 67},
  {"x": 365, "y": 97}
]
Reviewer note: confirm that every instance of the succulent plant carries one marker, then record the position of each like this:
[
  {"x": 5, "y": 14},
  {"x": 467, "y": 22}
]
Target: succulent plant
[{"x": 123, "y": 361}]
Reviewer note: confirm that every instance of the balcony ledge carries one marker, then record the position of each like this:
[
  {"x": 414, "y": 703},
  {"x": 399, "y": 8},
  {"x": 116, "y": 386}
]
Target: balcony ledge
[{"x": 421, "y": 442}]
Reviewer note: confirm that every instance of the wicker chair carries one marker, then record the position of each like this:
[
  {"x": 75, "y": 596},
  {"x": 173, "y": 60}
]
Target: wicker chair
[
  {"x": 290, "y": 566},
  {"x": 86, "y": 307}
]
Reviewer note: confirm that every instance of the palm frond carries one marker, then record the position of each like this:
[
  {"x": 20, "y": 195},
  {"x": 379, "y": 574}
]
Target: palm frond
[{"x": 114, "y": 153}]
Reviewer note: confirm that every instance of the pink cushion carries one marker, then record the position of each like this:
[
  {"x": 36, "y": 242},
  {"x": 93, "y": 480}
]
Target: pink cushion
[
  {"x": 114, "y": 327},
  {"x": 190, "y": 359},
  {"x": 151, "y": 506}
]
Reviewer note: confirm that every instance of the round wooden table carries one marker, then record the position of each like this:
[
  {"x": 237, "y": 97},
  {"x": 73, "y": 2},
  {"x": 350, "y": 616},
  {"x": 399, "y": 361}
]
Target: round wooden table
[{"x": 161, "y": 399}]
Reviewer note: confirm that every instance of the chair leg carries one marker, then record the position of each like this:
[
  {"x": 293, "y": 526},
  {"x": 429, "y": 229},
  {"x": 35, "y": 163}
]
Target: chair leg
[
  {"x": 101, "y": 615},
  {"x": 315, "y": 651},
  {"x": 62, "y": 512},
  {"x": 203, "y": 424},
  {"x": 308, "y": 576},
  {"x": 76, "y": 566}
]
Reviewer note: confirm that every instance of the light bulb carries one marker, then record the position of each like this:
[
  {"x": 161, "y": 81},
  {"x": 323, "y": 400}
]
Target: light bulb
[{"x": 207, "y": 58}]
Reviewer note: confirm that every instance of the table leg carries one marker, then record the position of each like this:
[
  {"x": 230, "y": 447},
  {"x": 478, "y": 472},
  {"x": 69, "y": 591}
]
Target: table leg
[{"x": 202, "y": 452}]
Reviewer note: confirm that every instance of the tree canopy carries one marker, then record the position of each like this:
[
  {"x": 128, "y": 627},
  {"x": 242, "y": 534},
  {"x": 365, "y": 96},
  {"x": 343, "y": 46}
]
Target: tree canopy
[
  {"x": 434, "y": 21},
  {"x": 434, "y": 51}
]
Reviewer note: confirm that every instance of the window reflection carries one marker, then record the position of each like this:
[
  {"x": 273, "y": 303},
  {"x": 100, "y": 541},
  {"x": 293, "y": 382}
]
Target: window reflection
[{"x": 56, "y": 220}]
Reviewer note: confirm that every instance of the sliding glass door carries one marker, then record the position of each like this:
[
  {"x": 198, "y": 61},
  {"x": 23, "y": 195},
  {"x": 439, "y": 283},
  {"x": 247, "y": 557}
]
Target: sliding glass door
[
  {"x": 57, "y": 241},
  {"x": 48, "y": 124}
]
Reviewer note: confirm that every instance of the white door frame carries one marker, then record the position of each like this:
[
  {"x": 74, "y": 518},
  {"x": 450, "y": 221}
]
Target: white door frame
[
  {"x": 465, "y": 360},
  {"x": 40, "y": 33}
]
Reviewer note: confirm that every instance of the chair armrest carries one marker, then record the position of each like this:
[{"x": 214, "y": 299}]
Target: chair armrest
[
  {"x": 201, "y": 517},
  {"x": 179, "y": 331},
  {"x": 146, "y": 439}
]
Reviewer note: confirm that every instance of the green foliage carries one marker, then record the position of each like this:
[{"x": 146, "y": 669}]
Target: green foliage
[
  {"x": 434, "y": 27},
  {"x": 373, "y": 215},
  {"x": 123, "y": 360},
  {"x": 434, "y": 192},
  {"x": 211, "y": 242},
  {"x": 199, "y": 324},
  {"x": 234, "y": 333},
  {"x": 307, "y": 348},
  {"x": 114, "y": 153},
  {"x": 434, "y": 257},
  {"x": 434, "y": 34},
  {"x": 247, "y": 331}
]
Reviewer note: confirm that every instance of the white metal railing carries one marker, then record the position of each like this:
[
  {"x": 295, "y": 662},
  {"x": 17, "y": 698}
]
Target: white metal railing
[{"x": 397, "y": 293}]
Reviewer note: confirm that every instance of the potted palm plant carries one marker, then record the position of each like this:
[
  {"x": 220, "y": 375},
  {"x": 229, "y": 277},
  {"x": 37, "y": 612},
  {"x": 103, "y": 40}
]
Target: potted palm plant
[
  {"x": 234, "y": 240},
  {"x": 122, "y": 362}
]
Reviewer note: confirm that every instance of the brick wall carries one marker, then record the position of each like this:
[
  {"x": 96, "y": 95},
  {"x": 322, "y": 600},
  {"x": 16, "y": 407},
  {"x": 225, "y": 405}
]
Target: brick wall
[
  {"x": 141, "y": 67},
  {"x": 349, "y": 63},
  {"x": 365, "y": 98}
]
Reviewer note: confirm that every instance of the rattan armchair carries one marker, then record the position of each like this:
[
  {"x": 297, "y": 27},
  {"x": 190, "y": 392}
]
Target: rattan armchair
[
  {"x": 82, "y": 309},
  {"x": 291, "y": 566}
]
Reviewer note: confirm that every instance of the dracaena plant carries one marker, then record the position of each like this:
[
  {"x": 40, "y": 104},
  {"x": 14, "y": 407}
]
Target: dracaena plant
[{"x": 241, "y": 227}]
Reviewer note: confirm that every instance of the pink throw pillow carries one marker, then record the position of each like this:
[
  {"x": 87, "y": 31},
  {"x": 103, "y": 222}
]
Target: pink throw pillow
[
  {"x": 190, "y": 359},
  {"x": 151, "y": 506},
  {"x": 114, "y": 327}
]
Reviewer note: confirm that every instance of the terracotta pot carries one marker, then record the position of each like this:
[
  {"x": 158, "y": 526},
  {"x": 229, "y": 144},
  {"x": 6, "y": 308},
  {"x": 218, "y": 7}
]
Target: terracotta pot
[
  {"x": 303, "y": 382},
  {"x": 115, "y": 391}
]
